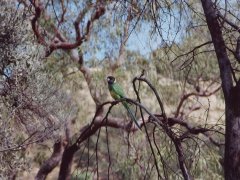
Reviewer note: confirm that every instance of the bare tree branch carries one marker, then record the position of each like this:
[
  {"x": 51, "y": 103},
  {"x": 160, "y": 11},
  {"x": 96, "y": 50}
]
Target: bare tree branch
[
  {"x": 204, "y": 93},
  {"x": 62, "y": 43},
  {"x": 52, "y": 162}
]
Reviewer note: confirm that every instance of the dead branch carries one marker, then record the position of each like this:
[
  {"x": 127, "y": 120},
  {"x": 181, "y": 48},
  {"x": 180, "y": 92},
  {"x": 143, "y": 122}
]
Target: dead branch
[
  {"x": 59, "y": 42},
  {"x": 192, "y": 51},
  {"x": 233, "y": 25},
  {"x": 185, "y": 97}
]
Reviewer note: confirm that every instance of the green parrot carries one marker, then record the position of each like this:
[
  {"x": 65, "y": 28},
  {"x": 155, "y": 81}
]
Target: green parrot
[{"x": 117, "y": 93}]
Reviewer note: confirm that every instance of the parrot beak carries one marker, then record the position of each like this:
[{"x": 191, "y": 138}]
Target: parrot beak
[{"x": 108, "y": 79}]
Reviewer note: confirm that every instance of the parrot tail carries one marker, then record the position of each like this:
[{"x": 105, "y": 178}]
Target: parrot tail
[{"x": 130, "y": 113}]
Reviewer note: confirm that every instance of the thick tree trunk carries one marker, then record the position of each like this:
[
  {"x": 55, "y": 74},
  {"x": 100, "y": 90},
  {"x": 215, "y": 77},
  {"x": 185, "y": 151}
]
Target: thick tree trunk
[
  {"x": 67, "y": 158},
  {"x": 51, "y": 163},
  {"x": 232, "y": 137},
  {"x": 231, "y": 95}
]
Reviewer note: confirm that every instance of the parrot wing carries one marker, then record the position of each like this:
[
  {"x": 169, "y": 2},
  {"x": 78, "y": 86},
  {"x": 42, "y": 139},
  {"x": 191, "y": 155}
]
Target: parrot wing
[{"x": 117, "y": 90}]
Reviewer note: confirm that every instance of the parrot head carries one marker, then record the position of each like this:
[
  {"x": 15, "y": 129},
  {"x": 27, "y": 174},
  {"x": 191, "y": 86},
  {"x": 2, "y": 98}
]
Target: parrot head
[{"x": 111, "y": 80}]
